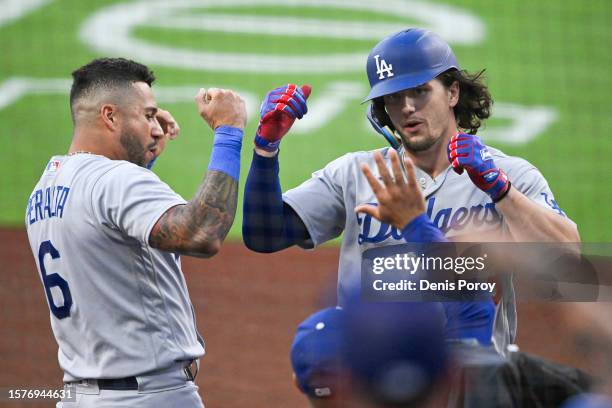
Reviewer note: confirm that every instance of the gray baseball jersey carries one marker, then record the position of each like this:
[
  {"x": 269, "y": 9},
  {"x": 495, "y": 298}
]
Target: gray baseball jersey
[
  {"x": 119, "y": 307},
  {"x": 326, "y": 204}
]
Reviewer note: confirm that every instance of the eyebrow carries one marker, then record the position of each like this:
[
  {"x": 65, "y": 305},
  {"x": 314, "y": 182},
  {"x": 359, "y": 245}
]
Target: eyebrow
[{"x": 151, "y": 109}]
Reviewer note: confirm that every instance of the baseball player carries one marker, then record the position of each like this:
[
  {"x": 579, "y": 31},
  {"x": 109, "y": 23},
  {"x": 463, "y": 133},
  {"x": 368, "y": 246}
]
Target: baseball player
[
  {"x": 400, "y": 360},
  {"x": 422, "y": 102},
  {"x": 106, "y": 234},
  {"x": 316, "y": 359}
]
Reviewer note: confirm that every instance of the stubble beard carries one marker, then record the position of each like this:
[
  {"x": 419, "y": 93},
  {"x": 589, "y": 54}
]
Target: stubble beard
[
  {"x": 419, "y": 145},
  {"x": 133, "y": 149}
]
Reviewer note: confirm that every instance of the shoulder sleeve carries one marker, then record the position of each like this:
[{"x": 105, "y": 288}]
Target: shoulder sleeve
[
  {"x": 131, "y": 199},
  {"x": 527, "y": 179},
  {"x": 319, "y": 201}
]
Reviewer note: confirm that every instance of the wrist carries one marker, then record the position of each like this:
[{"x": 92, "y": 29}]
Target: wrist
[
  {"x": 494, "y": 182},
  {"x": 234, "y": 125},
  {"x": 228, "y": 131},
  {"x": 265, "y": 153},
  {"x": 414, "y": 223},
  {"x": 421, "y": 229},
  {"x": 264, "y": 144},
  {"x": 503, "y": 194},
  {"x": 225, "y": 156},
  {"x": 498, "y": 184},
  {"x": 264, "y": 163},
  {"x": 414, "y": 214}
]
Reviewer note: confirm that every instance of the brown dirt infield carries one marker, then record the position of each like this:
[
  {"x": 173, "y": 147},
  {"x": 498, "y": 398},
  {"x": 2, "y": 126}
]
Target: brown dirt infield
[{"x": 248, "y": 306}]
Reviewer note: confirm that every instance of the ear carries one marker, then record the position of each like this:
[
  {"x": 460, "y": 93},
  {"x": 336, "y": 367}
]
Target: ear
[
  {"x": 109, "y": 116},
  {"x": 453, "y": 94}
]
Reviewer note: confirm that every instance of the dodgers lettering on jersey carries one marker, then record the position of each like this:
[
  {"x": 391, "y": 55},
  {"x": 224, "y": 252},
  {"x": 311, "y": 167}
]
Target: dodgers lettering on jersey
[
  {"x": 446, "y": 219},
  {"x": 326, "y": 203}
]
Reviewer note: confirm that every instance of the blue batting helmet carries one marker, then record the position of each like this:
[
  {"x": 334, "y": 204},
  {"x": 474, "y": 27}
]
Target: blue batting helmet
[{"x": 407, "y": 59}]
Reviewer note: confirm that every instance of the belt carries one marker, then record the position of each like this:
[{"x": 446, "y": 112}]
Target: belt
[
  {"x": 119, "y": 384},
  {"x": 131, "y": 383}
]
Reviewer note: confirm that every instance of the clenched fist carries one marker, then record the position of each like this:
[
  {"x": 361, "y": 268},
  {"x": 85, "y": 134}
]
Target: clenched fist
[
  {"x": 469, "y": 153},
  {"x": 221, "y": 107}
]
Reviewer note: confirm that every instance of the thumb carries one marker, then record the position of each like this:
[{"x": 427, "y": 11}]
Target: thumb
[
  {"x": 306, "y": 89},
  {"x": 367, "y": 209},
  {"x": 457, "y": 167}
]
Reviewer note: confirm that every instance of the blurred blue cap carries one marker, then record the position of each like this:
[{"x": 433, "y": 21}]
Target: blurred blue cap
[
  {"x": 398, "y": 351},
  {"x": 588, "y": 400},
  {"x": 316, "y": 352}
]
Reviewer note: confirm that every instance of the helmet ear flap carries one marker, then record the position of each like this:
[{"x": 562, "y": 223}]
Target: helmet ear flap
[
  {"x": 380, "y": 121},
  {"x": 381, "y": 114}
]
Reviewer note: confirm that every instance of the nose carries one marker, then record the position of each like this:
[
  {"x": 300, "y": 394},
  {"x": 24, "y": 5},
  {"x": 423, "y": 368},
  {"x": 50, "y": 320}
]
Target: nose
[
  {"x": 408, "y": 105},
  {"x": 157, "y": 131}
]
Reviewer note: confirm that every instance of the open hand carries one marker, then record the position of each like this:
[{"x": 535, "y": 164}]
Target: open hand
[{"x": 399, "y": 200}]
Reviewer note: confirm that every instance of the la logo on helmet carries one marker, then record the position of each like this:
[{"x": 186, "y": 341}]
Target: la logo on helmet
[{"x": 382, "y": 68}]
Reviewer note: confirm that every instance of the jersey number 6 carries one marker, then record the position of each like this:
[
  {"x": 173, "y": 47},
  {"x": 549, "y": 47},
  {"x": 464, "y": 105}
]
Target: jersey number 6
[{"x": 52, "y": 280}]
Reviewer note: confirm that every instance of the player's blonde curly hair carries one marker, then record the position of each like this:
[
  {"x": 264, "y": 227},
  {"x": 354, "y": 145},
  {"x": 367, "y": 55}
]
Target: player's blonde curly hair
[{"x": 475, "y": 100}]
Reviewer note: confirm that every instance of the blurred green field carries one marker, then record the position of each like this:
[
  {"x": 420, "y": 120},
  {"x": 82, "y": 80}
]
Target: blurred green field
[{"x": 552, "y": 53}]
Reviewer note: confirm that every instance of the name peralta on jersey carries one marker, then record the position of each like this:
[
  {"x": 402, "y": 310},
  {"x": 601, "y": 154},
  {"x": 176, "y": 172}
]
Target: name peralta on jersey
[
  {"x": 118, "y": 306},
  {"x": 326, "y": 204}
]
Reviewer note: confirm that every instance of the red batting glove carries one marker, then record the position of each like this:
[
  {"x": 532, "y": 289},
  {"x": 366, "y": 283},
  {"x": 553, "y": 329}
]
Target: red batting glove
[
  {"x": 279, "y": 110},
  {"x": 468, "y": 152}
]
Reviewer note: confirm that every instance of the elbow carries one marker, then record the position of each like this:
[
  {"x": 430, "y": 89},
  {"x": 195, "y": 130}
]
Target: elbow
[
  {"x": 211, "y": 248},
  {"x": 205, "y": 249},
  {"x": 247, "y": 243},
  {"x": 248, "y": 238},
  {"x": 252, "y": 246},
  {"x": 574, "y": 235},
  {"x": 263, "y": 250},
  {"x": 257, "y": 245},
  {"x": 568, "y": 232}
]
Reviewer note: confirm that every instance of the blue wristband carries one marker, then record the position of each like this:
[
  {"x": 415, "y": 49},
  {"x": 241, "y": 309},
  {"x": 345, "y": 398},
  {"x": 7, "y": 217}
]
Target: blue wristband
[
  {"x": 225, "y": 155},
  {"x": 421, "y": 229}
]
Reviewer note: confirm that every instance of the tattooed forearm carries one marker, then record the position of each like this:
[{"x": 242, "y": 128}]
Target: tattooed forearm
[{"x": 199, "y": 227}]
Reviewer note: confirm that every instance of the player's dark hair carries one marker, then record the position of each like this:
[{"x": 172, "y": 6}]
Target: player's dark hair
[
  {"x": 475, "y": 100},
  {"x": 108, "y": 73}
]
